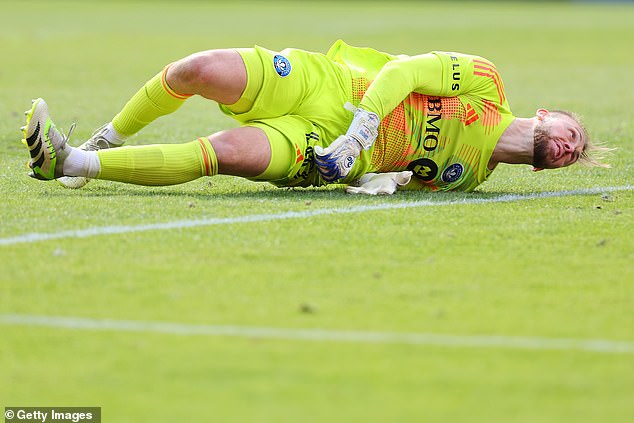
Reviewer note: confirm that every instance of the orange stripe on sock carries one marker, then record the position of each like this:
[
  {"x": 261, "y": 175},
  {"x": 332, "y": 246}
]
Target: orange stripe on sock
[
  {"x": 205, "y": 157},
  {"x": 169, "y": 90}
]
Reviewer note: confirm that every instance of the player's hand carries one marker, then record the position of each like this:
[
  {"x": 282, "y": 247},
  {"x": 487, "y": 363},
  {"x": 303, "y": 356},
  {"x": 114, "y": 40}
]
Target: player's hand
[
  {"x": 335, "y": 161},
  {"x": 380, "y": 183}
]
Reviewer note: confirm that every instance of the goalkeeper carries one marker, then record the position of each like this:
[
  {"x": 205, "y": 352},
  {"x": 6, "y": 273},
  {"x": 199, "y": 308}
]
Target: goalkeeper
[{"x": 436, "y": 121}]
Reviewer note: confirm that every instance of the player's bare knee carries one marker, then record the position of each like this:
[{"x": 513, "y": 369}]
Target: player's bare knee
[
  {"x": 225, "y": 149},
  {"x": 189, "y": 73},
  {"x": 215, "y": 74},
  {"x": 239, "y": 154}
]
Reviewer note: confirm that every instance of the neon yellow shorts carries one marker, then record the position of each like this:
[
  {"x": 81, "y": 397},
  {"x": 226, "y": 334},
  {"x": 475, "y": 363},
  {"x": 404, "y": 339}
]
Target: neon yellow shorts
[{"x": 297, "y": 99}]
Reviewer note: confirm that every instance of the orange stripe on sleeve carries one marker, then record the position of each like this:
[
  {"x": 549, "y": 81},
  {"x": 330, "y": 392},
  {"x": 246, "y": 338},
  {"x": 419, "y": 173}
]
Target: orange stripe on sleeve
[
  {"x": 489, "y": 70},
  {"x": 497, "y": 83}
]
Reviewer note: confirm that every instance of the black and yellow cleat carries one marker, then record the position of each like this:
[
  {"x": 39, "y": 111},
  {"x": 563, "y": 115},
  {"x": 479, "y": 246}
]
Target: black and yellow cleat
[{"x": 47, "y": 146}]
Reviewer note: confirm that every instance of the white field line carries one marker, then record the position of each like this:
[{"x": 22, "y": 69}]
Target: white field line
[
  {"x": 181, "y": 224},
  {"x": 322, "y": 335}
]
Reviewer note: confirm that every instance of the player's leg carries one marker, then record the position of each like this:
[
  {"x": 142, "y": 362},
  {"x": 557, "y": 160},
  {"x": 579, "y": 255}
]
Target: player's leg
[
  {"x": 219, "y": 75},
  {"x": 260, "y": 152},
  {"x": 241, "y": 152},
  {"x": 191, "y": 72},
  {"x": 256, "y": 152}
]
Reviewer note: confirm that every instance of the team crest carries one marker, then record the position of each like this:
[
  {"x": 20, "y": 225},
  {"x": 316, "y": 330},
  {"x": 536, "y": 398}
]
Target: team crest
[
  {"x": 452, "y": 173},
  {"x": 282, "y": 65}
]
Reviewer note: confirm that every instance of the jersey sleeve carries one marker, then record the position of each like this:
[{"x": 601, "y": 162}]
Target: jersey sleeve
[{"x": 435, "y": 74}]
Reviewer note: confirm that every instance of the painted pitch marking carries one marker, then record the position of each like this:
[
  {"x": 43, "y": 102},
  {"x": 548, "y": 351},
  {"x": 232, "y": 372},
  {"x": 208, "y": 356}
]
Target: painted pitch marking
[
  {"x": 323, "y": 335},
  {"x": 183, "y": 224}
]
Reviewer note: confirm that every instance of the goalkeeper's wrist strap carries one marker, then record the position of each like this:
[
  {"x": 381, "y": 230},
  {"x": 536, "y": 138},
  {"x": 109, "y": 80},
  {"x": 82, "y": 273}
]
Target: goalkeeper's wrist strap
[{"x": 364, "y": 127}]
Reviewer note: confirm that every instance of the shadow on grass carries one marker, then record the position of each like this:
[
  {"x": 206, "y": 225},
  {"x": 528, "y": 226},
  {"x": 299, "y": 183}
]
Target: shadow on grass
[{"x": 263, "y": 192}]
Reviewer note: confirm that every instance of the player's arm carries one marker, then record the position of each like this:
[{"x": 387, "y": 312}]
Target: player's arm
[{"x": 436, "y": 74}]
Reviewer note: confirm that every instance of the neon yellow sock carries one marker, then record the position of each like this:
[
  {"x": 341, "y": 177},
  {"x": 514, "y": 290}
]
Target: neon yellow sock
[
  {"x": 153, "y": 100},
  {"x": 159, "y": 164}
]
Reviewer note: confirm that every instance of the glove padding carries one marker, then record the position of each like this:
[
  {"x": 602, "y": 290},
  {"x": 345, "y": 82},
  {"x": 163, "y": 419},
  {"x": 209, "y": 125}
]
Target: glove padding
[
  {"x": 335, "y": 161},
  {"x": 380, "y": 183}
]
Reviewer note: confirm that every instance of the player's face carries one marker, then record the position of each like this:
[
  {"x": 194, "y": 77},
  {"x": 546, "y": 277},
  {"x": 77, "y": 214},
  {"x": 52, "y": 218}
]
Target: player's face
[{"x": 559, "y": 142}]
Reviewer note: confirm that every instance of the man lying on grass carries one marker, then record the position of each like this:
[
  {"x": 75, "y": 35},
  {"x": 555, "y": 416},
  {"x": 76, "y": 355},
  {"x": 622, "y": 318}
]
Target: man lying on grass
[{"x": 356, "y": 116}]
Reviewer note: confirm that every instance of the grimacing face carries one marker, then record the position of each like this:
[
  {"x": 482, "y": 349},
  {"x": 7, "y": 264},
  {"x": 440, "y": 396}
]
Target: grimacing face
[{"x": 559, "y": 141}]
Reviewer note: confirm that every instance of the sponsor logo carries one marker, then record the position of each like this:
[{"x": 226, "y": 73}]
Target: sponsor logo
[
  {"x": 282, "y": 65},
  {"x": 432, "y": 130},
  {"x": 456, "y": 76},
  {"x": 348, "y": 162},
  {"x": 452, "y": 173},
  {"x": 425, "y": 169}
]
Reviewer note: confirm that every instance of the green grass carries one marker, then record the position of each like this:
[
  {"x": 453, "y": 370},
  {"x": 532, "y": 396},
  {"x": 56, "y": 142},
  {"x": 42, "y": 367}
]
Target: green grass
[{"x": 548, "y": 268}]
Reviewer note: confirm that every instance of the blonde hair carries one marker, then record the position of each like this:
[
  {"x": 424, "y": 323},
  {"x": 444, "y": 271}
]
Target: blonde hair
[{"x": 593, "y": 154}]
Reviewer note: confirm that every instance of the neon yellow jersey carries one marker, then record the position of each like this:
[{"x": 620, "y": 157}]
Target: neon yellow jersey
[{"x": 441, "y": 114}]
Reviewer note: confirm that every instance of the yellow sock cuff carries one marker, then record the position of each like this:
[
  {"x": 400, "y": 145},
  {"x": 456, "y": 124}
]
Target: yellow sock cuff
[
  {"x": 169, "y": 89},
  {"x": 209, "y": 159}
]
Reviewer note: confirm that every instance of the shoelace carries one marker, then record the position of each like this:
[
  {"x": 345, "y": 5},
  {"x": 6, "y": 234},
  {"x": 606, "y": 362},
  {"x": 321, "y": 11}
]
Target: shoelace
[{"x": 70, "y": 131}]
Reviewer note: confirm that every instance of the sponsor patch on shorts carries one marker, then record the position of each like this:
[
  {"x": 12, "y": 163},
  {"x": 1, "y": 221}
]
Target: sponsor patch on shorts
[{"x": 282, "y": 65}]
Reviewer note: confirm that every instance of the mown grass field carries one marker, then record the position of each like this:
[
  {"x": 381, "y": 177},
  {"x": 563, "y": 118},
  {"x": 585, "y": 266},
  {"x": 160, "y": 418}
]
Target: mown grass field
[{"x": 548, "y": 270}]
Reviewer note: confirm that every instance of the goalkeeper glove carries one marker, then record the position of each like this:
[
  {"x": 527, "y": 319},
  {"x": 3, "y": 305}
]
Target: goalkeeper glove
[
  {"x": 380, "y": 183},
  {"x": 335, "y": 161}
]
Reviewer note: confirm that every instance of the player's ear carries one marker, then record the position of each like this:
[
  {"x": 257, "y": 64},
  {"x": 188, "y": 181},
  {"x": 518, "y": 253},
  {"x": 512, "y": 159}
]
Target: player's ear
[{"x": 542, "y": 113}]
